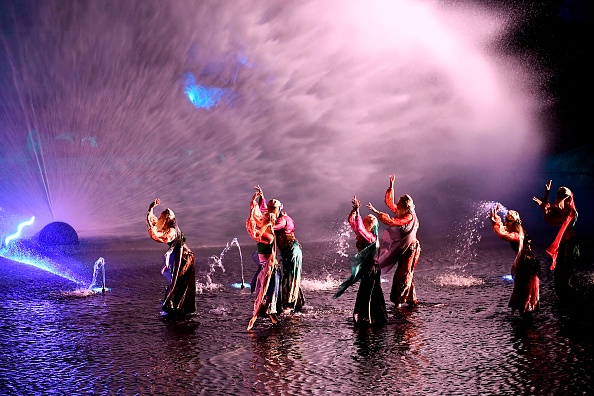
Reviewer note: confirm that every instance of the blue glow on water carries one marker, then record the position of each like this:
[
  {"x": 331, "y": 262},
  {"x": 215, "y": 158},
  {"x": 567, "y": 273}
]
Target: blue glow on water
[
  {"x": 508, "y": 277},
  {"x": 24, "y": 255},
  {"x": 202, "y": 96},
  {"x": 19, "y": 230},
  {"x": 240, "y": 285}
]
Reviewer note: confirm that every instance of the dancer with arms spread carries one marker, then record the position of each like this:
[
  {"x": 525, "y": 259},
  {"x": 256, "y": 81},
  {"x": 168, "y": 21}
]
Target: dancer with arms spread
[
  {"x": 178, "y": 262},
  {"x": 526, "y": 267},
  {"x": 259, "y": 226},
  {"x": 370, "y": 305},
  {"x": 399, "y": 245},
  {"x": 292, "y": 299},
  {"x": 564, "y": 250}
]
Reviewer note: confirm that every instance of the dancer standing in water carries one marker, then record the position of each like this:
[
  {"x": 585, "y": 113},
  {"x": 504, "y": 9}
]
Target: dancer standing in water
[
  {"x": 526, "y": 268},
  {"x": 370, "y": 305},
  {"x": 292, "y": 299},
  {"x": 399, "y": 245},
  {"x": 564, "y": 250},
  {"x": 178, "y": 262},
  {"x": 259, "y": 226}
]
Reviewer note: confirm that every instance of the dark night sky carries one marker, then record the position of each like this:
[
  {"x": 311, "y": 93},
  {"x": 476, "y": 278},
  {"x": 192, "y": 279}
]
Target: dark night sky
[{"x": 559, "y": 33}]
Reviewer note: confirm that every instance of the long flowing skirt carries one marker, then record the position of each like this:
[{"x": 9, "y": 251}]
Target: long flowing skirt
[
  {"x": 370, "y": 305},
  {"x": 292, "y": 294},
  {"x": 180, "y": 296},
  {"x": 403, "y": 284}
]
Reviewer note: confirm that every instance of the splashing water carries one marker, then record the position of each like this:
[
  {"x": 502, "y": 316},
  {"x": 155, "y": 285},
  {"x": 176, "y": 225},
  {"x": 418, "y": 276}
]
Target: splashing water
[
  {"x": 467, "y": 233},
  {"x": 345, "y": 234},
  {"x": 85, "y": 108},
  {"x": 320, "y": 284},
  {"x": 217, "y": 261},
  {"x": 98, "y": 267},
  {"x": 21, "y": 253},
  {"x": 454, "y": 280}
]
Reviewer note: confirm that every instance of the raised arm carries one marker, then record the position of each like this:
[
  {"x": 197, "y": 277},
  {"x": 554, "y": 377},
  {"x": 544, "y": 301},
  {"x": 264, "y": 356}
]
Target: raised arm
[
  {"x": 261, "y": 199},
  {"x": 500, "y": 229},
  {"x": 165, "y": 236},
  {"x": 389, "y": 198},
  {"x": 356, "y": 222},
  {"x": 544, "y": 201},
  {"x": 151, "y": 219},
  {"x": 389, "y": 220}
]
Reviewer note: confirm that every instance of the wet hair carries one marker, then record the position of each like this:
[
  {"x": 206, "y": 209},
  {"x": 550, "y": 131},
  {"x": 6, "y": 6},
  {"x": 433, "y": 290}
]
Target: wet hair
[
  {"x": 513, "y": 217},
  {"x": 166, "y": 219},
  {"x": 370, "y": 222},
  {"x": 564, "y": 192},
  {"x": 275, "y": 203},
  {"x": 407, "y": 201}
]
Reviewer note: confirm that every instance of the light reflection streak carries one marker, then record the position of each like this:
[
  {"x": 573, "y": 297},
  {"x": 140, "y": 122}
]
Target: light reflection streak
[{"x": 19, "y": 230}]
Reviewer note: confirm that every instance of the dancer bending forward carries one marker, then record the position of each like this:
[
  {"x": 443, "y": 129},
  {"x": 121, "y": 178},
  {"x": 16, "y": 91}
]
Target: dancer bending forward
[{"x": 178, "y": 262}]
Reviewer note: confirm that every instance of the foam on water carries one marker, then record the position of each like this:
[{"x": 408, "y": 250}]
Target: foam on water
[{"x": 453, "y": 280}]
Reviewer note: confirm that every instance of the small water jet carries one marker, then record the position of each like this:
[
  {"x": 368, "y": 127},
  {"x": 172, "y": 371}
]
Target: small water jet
[
  {"x": 97, "y": 268},
  {"x": 218, "y": 260}
]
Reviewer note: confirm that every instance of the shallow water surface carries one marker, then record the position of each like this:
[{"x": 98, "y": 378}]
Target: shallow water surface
[{"x": 59, "y": 338}]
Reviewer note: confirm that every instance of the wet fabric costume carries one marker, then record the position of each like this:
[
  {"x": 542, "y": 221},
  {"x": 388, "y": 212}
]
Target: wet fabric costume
[
  {"x": 564, "y": 250},
  {"x": 178, "y": 268},
  {"x": 267, "y": 285},
  {"x": 525, "y": 271},
  {"x": 399, "y": 246},
  {"x": 370, "y": 305},
  {"x": 291, "y": 294}
]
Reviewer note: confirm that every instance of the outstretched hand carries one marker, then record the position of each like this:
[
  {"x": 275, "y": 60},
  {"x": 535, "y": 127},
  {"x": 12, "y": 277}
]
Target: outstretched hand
[
  {"x": 356, "y": 203},
  {"x": 538, "y": 201},
  {"x": 493, "y": 213},
  {"x": 548, "y": 185},
  {"x": 372, "y": 208},
  {"x": 156, "y": 202},
  {"x": 392, "y": 178},
  {"x": 259, "y": 190}
]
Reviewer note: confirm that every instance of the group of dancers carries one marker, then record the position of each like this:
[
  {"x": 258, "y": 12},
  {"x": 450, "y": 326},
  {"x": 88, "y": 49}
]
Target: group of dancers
[
  {"x": 564, "y": 250},
  {"x": 277, "y": 284}
]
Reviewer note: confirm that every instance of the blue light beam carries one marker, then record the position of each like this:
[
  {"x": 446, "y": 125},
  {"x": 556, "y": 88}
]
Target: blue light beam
[{"x": 19, "y": 230}]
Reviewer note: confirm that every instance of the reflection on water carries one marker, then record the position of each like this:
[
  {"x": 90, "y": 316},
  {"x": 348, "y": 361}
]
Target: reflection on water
[{"x": 461, "y": 339}]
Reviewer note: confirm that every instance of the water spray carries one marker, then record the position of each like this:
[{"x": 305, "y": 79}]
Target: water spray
[
  {"x": 219, "y": 260},
  {"x": 99, "y": 266}
]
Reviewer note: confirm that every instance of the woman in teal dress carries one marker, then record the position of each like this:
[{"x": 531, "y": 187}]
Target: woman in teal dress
[{"x": 370, "y": 305}]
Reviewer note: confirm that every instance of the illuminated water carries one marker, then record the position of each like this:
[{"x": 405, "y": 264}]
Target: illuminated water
[{"x": 460, "y": 340}]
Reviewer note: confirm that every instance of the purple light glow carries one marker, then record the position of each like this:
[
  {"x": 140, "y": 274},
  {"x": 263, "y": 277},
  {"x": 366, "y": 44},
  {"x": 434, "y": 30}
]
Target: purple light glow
[{"x": 329, "y": 99}]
